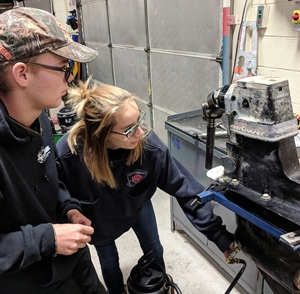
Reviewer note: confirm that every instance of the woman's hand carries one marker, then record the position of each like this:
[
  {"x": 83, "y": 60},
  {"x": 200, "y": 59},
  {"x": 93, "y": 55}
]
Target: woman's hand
[
  {"x": 76, "y": 217},
  {"x": 229, "y": 250}
]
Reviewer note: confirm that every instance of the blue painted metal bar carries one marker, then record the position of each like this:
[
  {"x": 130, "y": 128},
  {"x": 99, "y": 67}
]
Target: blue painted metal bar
[
  {"x": 211, "y": 195},
  {"x": 206, "y": 196}
]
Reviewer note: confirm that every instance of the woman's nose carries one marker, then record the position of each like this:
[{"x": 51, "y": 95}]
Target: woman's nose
[{"x": 139, "y": 132}]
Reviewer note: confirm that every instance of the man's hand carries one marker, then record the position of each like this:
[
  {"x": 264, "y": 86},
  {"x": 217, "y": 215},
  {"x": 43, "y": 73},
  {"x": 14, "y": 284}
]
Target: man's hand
[
  {"x": 76, "y": 217},
  {"x": 71, "y": 237},
  {"x": 229, "y": 250}
]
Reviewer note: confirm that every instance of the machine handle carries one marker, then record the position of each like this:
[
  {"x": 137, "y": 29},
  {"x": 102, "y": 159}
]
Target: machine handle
[{"x": 210, "y": 142}]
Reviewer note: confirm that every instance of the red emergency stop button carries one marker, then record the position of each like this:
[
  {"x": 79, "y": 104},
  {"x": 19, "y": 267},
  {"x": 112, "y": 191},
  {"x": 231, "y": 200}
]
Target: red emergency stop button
[{"x": 296, "y": 16}]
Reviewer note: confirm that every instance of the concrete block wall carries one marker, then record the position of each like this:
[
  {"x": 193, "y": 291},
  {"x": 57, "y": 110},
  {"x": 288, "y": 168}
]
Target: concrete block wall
[{"x": 278, "y": 52}]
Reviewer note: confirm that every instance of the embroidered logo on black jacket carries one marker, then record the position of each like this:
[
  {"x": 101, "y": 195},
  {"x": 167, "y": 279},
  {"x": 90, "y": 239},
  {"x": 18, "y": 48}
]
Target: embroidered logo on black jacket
[
  {"x": 43, "y": 154},
  {"x": 135, "y": 177}
]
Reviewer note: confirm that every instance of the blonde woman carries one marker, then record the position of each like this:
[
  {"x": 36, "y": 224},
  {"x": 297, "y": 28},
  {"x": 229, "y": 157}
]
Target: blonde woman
[{"x": 113, "y": 164}]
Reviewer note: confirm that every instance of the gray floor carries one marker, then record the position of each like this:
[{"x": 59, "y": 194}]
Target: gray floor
[{"x": 191, "y": 268}]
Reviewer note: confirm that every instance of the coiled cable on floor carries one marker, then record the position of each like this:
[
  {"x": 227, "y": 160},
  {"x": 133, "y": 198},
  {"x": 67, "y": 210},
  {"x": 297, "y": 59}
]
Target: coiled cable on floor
[
  {"x": 173, "y": 285},
  {"x": 237, "y": 260}
]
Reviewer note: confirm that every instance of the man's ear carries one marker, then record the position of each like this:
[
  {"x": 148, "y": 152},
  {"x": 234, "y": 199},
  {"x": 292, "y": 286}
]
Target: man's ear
[{"x": 20, "y": 74}]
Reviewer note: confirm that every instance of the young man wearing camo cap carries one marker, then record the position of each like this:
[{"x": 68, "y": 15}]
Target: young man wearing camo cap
[{"x": 43, "y": 234}]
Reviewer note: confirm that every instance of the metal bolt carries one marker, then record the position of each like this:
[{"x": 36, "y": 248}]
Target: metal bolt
[
  {"x": 194, "y": 136},
  {"x": 235, "y": 182},
  {"x": 291, "y": 235},
  {"x": 266, "y": 196}
]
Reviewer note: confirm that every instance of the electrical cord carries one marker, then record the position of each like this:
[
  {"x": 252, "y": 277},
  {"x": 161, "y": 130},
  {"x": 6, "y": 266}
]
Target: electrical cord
[
  {"x": 172, "y": 284},
  {"x": 210, "y": 186},
  {"x": 237, "y": 260},
  {"x": 238, "y": 41}
]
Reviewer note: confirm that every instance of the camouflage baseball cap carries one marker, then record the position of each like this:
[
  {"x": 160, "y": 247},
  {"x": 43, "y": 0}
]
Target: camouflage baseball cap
[{"x": 26, "y": 32}]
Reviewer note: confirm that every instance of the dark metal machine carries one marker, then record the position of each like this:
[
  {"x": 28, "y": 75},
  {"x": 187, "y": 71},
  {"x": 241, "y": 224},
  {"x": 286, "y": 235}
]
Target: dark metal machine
[{"x": 260, "y": 177}]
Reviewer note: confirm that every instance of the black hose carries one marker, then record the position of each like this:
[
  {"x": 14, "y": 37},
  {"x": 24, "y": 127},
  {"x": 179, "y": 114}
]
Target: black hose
[
  {"x": 174, "y": 286},
  {"x": 237, "y": 276}
]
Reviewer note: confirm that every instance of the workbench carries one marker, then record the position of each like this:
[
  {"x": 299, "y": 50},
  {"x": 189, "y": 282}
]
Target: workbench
[{"x": 187, "y": 146}]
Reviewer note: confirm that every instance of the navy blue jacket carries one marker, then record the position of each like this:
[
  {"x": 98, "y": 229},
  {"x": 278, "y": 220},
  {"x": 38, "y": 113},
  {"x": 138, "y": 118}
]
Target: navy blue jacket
[
  {"x": 31, "y": 199},
  {"x": 114, "y": 211}
]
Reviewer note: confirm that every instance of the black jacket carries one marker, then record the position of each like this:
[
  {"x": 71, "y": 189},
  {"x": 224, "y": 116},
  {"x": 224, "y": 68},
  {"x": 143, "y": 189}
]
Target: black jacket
[
  {"x": 113, "y": 212},
  {"x": 31, "y": 198}
]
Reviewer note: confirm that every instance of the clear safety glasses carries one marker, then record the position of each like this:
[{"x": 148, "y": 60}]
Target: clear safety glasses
[{"x": 131, "y": 132}]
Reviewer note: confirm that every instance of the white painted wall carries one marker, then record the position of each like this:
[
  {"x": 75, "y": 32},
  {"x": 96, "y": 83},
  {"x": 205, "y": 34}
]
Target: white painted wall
[
  {"x": 61, "y": 9},
  {"x": 278, "y": 45}
]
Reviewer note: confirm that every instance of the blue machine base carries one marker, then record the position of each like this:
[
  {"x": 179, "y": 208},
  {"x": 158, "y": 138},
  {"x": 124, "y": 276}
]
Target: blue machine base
[{"x": 212, "y": 195}]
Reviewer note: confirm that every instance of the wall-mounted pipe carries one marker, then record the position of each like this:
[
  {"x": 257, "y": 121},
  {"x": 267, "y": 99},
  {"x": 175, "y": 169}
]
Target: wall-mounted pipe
[{"x": 226, "y": 42}]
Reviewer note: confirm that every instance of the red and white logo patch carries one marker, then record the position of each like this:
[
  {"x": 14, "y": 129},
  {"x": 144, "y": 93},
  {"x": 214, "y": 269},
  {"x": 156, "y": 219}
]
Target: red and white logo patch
[{"x": 135, "y": 177}]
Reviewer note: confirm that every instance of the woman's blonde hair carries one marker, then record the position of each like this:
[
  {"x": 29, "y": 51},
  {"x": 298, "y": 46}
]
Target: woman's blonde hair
[{"x": 96, "y": 108}]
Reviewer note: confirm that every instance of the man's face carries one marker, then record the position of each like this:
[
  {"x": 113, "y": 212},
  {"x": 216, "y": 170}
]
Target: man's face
[{"x": 47, "y": 86}]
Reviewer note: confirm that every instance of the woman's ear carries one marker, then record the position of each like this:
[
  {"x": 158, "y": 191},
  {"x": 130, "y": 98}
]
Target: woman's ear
[{"x": 20, "y": 74}]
